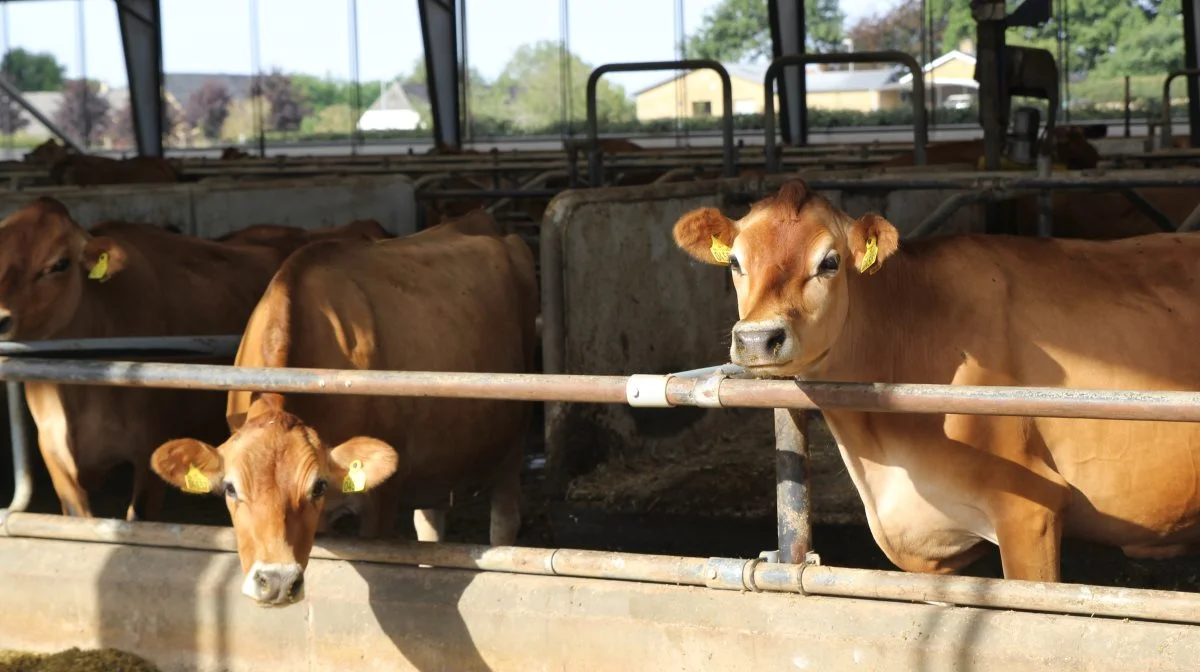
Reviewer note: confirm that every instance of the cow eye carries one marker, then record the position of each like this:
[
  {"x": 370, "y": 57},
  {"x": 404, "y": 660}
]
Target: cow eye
[
  {"x": 230, "y": 491},
  {"x": 59, "y": 266},
  {"x": 318, "y": 489},
  {"x": 734, "y": 265},
  {"x": 829, "y": 264}
]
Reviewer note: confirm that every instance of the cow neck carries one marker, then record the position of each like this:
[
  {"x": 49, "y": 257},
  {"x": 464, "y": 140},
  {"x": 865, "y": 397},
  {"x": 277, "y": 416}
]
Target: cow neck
[
  {"x": 890, "y": 313},
  {"x": 126, "y": 305}
]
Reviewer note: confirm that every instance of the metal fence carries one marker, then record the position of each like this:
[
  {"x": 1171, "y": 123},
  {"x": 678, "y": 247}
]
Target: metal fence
[{"x": 714, "y": 387}]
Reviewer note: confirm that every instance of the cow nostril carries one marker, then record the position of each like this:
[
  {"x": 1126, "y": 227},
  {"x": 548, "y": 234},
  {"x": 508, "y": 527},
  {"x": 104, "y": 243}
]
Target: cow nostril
[
  {"x": 261, "y": 581},
  {"x": 6, "y": 324},
  {"x": 296, "y": 587},
  {"x": 776, "y": 341}
]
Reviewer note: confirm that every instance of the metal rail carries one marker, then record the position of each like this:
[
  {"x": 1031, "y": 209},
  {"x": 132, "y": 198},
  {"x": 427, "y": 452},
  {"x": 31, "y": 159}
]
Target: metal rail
[
  {"x": 1165, "y": 136},
  {"x": 594, "y": 157},
  {"x": 17, "y": 97},
  {"x": 920, "y": 125},
  {"x": 162, "y": 346},
  {"x": 670, "y": 390},
  {"x": 752, "y": 575}
]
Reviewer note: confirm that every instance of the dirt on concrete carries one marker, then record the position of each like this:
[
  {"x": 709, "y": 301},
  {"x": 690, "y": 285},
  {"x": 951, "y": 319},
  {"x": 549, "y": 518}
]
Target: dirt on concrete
[{"x": 75, "y": 660}]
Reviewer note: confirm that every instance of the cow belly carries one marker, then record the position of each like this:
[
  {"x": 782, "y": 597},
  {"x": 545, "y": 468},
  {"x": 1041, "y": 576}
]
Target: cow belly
[
  {"x": 918, "y": 527},
  {"x": 1132, "y": 482}
]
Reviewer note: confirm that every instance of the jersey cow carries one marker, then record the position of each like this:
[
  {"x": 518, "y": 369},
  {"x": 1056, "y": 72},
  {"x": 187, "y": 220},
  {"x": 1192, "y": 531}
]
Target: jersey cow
[
  {"x": 824, "y": 296},
  {"x": 58, "y": 281},
  {"x": 456, "y": 297}
]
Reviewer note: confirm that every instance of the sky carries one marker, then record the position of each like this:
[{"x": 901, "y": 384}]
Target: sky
[{"x": 314, "y": 36}]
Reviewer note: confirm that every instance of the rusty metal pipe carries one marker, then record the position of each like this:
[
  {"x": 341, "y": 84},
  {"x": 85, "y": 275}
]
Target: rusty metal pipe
[
  {"x": 677, "y": 391},
  {"x": 19, "y": 432},
  {"x": 717, "y": 573}
]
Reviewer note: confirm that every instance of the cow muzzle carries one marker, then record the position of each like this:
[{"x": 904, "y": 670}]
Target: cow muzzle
[
  {"x": 762, "y": 344},
  {"x": 274, "y": 585}
]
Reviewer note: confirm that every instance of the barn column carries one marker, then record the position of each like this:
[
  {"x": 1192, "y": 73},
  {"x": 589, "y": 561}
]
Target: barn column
[
  {"x": 141, "y": 39},
  {"x": 1191, "y": 57},
  {"x": 787, "y": 38},
  {"x": 439, "y": 32}
]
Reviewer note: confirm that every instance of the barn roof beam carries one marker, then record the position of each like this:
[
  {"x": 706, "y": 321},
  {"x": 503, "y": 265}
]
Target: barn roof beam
[
  {"x": 786, "y": 18},
  {"x": 439, "y": 31},
  {"x": 1191, "y": 57},
  {"x": 141, "y": 39}
]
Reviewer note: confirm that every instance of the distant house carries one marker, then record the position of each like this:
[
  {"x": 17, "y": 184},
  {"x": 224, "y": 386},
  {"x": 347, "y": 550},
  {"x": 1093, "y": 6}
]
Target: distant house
[
  {"x": 391, "y": 112},
  {"x": 698, "y": 93}
]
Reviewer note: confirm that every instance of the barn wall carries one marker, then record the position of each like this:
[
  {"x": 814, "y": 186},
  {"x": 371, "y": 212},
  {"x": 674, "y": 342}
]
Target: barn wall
[
  {"x": 628, "y": 301},
  {"x": 213, "y": 208}
]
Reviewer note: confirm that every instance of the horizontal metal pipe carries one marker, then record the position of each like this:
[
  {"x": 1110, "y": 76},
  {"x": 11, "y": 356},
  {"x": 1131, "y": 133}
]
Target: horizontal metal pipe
[
  {"x": 681, "y": 391},
  {"x": 1145, "y": 179},
  {"x": 487, "y": 193},
  {"x": 720, "y": 573},
  {"x": 216, "y": 346},
  {"x": 1156, "y": 605}
]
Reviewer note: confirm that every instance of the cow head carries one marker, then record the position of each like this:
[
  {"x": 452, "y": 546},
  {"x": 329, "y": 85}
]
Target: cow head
[
  {"x": 46, "y": 260},
  {"x": 791, "y": 259},
  {"x": 274, "y": 472}
]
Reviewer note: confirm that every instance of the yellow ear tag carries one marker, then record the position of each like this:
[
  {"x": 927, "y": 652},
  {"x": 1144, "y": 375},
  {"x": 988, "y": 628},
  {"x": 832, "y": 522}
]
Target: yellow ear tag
[
  {"x": 196, "y": 482},
  {"x": 868, "y": 258},
  {"x": 720, "y": 251},
  {"x": 356, "y": 478},
  {"x": 100, "y": 270}
]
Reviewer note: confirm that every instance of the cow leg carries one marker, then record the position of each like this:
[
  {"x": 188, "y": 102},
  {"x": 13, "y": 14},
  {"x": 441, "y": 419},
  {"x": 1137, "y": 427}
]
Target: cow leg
[
  {"x": 430, "y": 524},
  {"x": 148, "y": 494},
  {"x": 1031, "y": 544},
  {"x": 71, "y": 495},
  {"x": 506, "y": 500}
]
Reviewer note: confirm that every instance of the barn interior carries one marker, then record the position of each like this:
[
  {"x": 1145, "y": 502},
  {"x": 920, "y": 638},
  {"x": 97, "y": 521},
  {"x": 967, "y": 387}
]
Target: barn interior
[{"x": 595, "y": 201}]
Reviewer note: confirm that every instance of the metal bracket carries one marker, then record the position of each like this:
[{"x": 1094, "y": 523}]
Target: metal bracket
[
  {"x": 645, "y": 391},
  {"x": 731, "y": 574},
  {"x": 707, "y": 392}
]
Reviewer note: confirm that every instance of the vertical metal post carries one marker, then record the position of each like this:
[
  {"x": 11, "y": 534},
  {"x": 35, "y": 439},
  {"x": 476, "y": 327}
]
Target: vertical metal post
[
  {"x": 439, "y": 32},
  {"x": 1128, "y": 109},
  {"x": 989, "y": 72},
  {"x": 22, "y": 477},
  {"x": 1191, "y": 58},
  {"x": 792, "y": 499},
  {"x": 788, "y": 32},
  {"x": 141, "y": 40}
]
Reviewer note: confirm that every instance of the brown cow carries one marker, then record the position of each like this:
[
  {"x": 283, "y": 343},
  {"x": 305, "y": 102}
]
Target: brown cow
[
  {"x": 47, "y": 153},
  {"x": 824, "y": 296},
  {"x": 58, "y": 281},
  {"x": 457, "y": 297},
  {"x": 288, "y": 239},
  {"x": 1071, "y": 150},
  {"x": 87, "y": 170}
]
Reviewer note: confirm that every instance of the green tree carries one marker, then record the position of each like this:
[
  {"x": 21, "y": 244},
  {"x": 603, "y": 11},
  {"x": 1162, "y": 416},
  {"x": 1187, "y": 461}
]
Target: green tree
[
  {"x": 900, "y": 27},
  {"x": 739, "y": 30},
  {"x": 320, "y": 93},
  {"x": 529, "y": 90},
  {"x": 33, "y": 72}
]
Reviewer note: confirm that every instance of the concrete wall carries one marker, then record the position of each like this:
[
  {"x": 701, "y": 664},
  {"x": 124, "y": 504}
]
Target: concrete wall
[
  {"x": 627, "y": 301},
  {"x": 213, "y": 208},
  {"x": 183, "y": 611}
]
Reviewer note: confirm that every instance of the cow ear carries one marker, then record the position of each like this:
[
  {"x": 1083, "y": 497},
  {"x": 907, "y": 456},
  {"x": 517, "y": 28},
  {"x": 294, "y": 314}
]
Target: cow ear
[
  {"x": 706, "y": 235},
  {"x": 872, "y": 239},
  {"x": 361, "y": 463},
  {"x": 190, "y": 465},
  {"x": 103, "y": 258}
]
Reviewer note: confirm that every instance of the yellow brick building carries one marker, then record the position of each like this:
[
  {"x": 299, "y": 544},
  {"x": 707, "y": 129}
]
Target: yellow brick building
[{"x": 697, "y": 94}]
